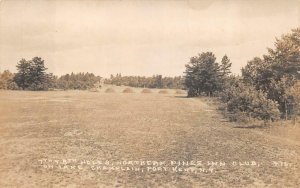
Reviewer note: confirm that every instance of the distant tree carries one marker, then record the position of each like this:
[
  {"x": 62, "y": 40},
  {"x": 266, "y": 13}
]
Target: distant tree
[
  {"x": 78, "y": 81},
  {"x": 156, "y": 81}
]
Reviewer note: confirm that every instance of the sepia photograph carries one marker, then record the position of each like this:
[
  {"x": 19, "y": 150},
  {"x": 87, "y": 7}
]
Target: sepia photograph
[{"x": 150, "y": 93}]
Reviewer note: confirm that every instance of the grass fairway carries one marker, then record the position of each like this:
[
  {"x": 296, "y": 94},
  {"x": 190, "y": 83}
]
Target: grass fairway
[{"x": 89, "y": 127}]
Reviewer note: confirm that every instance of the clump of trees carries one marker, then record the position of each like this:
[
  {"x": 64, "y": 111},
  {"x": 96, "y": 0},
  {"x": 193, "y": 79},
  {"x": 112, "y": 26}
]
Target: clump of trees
[
  {"x": 277, "y": 72},
  {"x": 204, "y": 75},
  {"x": 156, "y": 81},
  {"x": 80, "y": 81},
  {"x": 32, "y": 75},
  {"x": 268, "y": 88}
]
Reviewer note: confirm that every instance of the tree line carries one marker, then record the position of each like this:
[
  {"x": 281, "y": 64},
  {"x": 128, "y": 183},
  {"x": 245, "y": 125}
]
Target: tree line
[
  {"x": 32, "y": 75},
  {"x": 156, "y": 81},
  {"x": 268, "y": 88},
  {"x": 79, "y": 81}
]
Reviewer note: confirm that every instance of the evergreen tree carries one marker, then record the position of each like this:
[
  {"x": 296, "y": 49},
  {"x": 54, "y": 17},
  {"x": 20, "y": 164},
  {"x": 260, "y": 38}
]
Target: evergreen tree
[
  {"x": 203, "y": 75},
  {"x": 38, "y": 76},
  {"x": 225, "y": 66},
  {"x": 22, "y": 77},
  {"x": 32, "y": 75}
]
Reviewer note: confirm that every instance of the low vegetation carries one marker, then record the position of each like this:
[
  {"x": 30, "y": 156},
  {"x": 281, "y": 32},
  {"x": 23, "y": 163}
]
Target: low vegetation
[{"x": 7, "y": 80}]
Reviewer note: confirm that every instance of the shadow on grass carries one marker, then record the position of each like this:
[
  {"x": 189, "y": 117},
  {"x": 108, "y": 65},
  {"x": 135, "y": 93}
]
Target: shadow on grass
[
  {"x": 251, "y": 127},
  {"x": 180, "y": 96},
  {"x": 225, "y": 121}
]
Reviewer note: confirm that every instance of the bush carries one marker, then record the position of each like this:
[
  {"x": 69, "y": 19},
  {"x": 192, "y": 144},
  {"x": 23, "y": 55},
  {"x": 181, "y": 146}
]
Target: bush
[
  {"x": 6, "y": 81},
  {"x": 246, "y": 100}
]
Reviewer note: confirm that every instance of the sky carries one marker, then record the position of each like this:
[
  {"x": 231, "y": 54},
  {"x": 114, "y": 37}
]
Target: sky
[{"x": 139, "y": 37}]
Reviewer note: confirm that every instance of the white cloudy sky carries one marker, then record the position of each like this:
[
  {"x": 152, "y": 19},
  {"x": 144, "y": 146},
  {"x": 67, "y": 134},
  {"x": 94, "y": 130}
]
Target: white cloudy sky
[{"x": 139, "y": 37}]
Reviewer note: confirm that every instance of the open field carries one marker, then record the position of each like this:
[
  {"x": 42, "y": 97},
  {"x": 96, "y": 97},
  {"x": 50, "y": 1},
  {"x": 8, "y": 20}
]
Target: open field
[{"x": 118, "y": 127}]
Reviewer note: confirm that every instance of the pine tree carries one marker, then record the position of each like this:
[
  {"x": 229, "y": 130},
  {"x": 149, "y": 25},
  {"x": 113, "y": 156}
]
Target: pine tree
[
  {"x": 32, "y": 75},
  {"x": 225, "y": 66},
  {"x": 22, "y": 78},
  {"x": 202, "y": 75},
  {"x": 38, "y": 74}
]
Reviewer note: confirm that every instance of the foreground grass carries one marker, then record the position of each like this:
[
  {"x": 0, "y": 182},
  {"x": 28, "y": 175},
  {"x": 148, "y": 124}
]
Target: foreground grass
[{"x": 134, "y": 126}]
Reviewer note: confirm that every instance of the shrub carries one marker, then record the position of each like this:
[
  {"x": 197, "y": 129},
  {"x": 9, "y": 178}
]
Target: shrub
[
  {"x": 246, "y": 100},
  {"x": 6, "y": 81}
]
